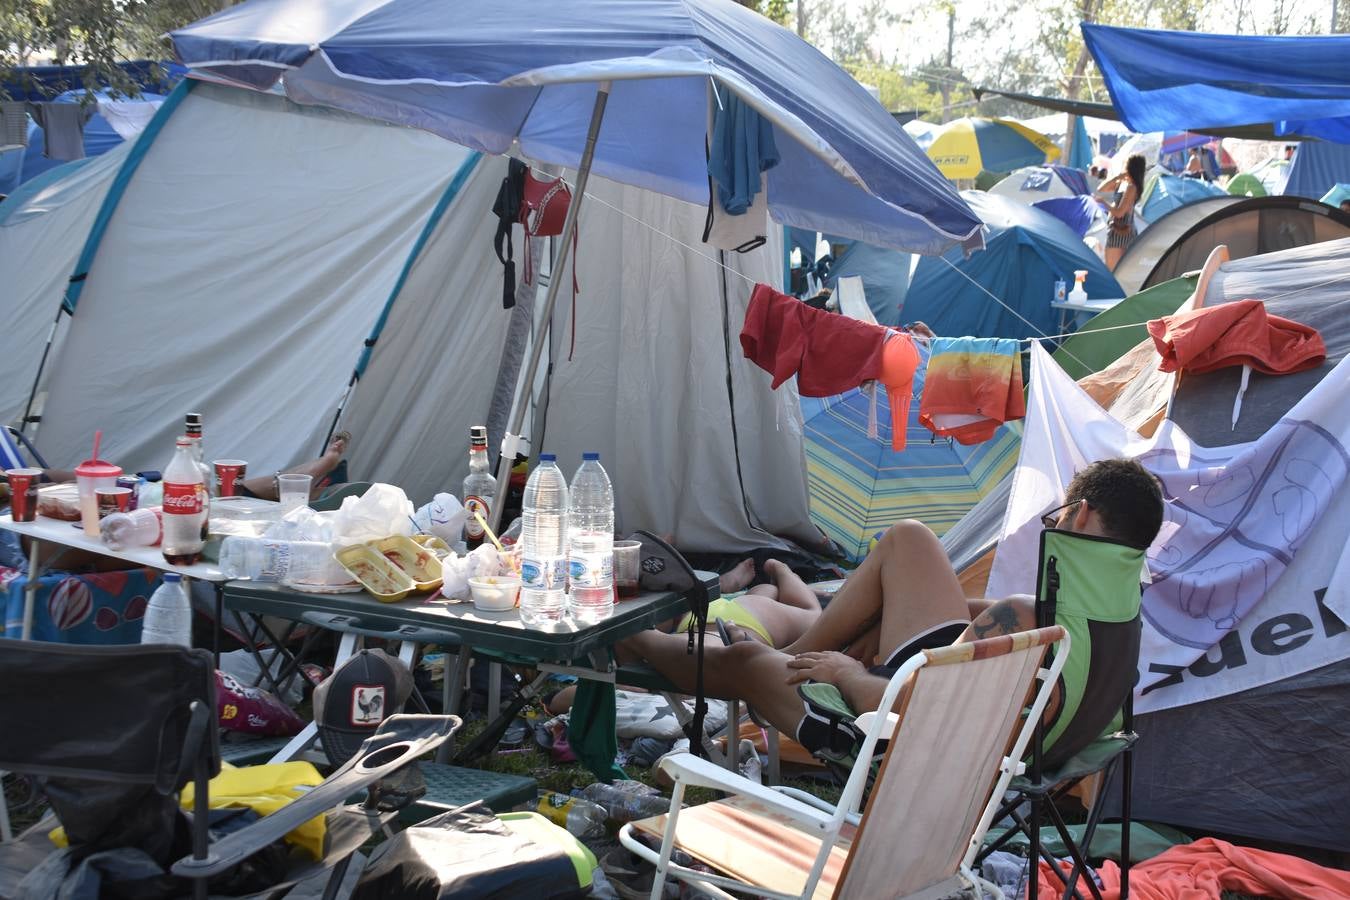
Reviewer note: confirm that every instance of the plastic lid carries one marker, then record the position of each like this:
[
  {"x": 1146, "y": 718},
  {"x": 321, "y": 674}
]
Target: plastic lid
[
  {"x": 97, "y": 468},
  {"x": 591, "y": 455},
  {"x": 172, "y": 577},
  {"x": 548, "y": 457}
]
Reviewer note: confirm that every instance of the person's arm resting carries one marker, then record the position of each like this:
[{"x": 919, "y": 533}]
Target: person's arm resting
[{"x": 860, "y": 689}]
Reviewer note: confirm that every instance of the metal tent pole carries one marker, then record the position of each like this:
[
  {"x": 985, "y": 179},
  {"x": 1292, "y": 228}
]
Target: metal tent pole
[
  {"x": 554, "y": 282},
  {"x": 37, "y": 378}
]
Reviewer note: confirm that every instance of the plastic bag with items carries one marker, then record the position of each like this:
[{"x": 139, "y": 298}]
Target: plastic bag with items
[
  {"x": 457, "y": 570},
  {"x": 383, "y": 510}
]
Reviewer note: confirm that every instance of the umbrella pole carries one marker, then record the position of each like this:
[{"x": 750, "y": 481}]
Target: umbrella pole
[{"x": 554, "y": 282}]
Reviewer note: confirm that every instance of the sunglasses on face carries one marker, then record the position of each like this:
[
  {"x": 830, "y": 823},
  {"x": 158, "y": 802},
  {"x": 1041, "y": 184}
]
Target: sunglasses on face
[{"x": 1051, "y": 519}]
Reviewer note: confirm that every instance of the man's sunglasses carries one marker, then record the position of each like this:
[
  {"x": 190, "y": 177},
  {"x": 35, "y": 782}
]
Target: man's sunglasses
[{"x": 1051, "y": 519}]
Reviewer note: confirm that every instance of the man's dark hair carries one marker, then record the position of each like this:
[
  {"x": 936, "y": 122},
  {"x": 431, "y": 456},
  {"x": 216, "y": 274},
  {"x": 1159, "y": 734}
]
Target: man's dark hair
[{"x": 1125, "y": 495}]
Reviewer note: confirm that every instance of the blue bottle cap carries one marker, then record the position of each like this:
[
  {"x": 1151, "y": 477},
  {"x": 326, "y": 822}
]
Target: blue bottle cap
[
  {"x": 172, "y": 577},
  {"x": 548, "y": 457},
  {"x": 591, "y": 455}
]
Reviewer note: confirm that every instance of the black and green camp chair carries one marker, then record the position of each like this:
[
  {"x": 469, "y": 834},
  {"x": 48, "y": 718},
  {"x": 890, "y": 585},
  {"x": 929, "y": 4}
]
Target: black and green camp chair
[{"x": 1091, "y": 586}]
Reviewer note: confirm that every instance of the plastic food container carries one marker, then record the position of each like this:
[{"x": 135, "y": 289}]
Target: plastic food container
[
  {"x": 494, "y": 593},
  {"x": 431, "y": 542},
  {"x": 418, "y": 562},
  {"x": 385, "y": 581}
]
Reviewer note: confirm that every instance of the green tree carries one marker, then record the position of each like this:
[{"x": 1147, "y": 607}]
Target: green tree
[{"x": 93, "y": 34}]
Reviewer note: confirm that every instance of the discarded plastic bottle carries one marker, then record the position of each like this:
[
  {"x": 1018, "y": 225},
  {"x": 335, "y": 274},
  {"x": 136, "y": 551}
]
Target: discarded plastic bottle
[
  {"x": 582, "y": 818},
  {"x": 168, "y": 616},
  {"x": 626, "y": 801}
]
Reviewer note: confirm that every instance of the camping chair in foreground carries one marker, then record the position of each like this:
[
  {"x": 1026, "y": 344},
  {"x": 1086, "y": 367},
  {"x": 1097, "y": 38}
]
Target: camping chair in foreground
[
  {"x": 114, "y": 733},
  {"x": 961, "y": 737},
  {"x": 1090, "y": 586}
]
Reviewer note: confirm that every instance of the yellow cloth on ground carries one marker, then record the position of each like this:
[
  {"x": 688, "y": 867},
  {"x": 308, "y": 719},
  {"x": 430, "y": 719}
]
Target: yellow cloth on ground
[{"x": 729, "y": 610}]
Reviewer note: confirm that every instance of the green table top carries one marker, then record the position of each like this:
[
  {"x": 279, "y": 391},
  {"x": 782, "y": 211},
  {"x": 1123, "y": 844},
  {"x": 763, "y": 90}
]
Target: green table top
[{"x": 425, "y": 620}]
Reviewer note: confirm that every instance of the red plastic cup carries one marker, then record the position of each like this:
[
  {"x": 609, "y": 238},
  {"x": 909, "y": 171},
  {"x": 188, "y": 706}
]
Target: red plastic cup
[
  {"x": 23, "y": 493},
  {"x": 229, "y": 472},
  {"x": 112, "y": 500}
]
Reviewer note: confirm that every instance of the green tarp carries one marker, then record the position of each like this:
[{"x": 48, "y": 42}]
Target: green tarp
[{"x": 1102, "y": 341}]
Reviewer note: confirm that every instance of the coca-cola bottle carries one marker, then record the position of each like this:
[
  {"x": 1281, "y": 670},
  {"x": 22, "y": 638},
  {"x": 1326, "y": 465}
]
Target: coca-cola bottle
[{"x": 185, "y": 507}]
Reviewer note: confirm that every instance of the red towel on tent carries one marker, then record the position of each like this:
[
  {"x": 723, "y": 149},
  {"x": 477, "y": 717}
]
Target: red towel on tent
[
  {"x": 1236, "y": 334},
  {"x": 828, "y": 353},
  {"x": 1206, "y": 868}
]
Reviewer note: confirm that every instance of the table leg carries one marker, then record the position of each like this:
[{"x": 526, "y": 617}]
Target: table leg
[
  {"x": 346, "y": 648},
  {"x": 733, "y": 733},
  {"x": 251, "y": 645},
  {"x": 494, "y": 690},
  {"x": 30, "y": 591},
  {"x": 456, "y": 675},
  {"x": 774, "y": 774},
  {"x": 220, "y": 615}
]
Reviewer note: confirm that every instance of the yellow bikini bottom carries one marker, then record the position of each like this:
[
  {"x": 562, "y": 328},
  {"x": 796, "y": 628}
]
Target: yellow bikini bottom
[{"x": 729, "y": 611}]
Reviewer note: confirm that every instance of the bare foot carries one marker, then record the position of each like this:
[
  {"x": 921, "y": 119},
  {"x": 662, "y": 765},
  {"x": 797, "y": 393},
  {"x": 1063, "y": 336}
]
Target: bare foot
[
  {"x": 337, "y": 446},
  {"x": 738, "y": 578}
]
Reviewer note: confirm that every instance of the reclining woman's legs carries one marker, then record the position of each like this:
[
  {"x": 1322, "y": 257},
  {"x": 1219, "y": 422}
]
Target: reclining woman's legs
[{"x": 905, "y": 587}]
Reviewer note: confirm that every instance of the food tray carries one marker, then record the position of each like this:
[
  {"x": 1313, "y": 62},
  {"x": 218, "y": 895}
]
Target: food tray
[
  {"x": 385, "y": 581},
  {"x": 419, "y": 563}
]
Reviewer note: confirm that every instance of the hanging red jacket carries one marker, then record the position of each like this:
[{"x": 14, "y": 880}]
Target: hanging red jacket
[
  {"x": 828, "y": 353},
  {"x": 1241, "y": 333}
]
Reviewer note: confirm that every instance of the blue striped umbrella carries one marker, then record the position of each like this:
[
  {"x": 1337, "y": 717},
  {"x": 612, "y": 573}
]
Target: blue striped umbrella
[{"x": 859, "y": 486}]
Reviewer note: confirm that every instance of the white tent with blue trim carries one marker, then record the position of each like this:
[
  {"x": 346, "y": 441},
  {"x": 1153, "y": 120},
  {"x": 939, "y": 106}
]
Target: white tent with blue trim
[{"x": 257, "y": 261}]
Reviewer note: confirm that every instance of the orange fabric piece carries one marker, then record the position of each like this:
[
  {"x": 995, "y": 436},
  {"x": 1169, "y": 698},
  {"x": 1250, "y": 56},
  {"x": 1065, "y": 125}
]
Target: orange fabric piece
[
  {"x": 899, "y": 362},
  {"x": 1236, "y": 334},
  {"x": 828, "y": 353},
  {"x": 972, "y": 386},
  {"x": 1206, "y": 868}
]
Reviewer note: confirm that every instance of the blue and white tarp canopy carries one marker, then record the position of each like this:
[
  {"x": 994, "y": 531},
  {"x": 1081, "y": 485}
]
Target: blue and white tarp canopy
[
  {"x": 1181, "y": 80},
  {"x": 515, "y": 76}
]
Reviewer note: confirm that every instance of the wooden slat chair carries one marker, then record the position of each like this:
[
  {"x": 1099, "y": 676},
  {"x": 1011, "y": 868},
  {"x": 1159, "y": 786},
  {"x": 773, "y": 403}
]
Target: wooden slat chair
[{"x": 963, "y": 730}]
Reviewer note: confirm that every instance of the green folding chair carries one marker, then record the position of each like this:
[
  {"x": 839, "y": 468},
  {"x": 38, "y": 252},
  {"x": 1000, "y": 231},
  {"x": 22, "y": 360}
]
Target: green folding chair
[{"x": 1091, "y": 586}]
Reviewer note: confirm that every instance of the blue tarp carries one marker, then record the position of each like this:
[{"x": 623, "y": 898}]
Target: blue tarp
[
  {"x": 1169, "y": 192},
  {"x": 498, "y": 71},
  {"x": 1317, "y": 168},
  {"x": 1026, "y": 251},
  {"x": 45, "y": 82},
  {"x": 1179, "y": 80}
]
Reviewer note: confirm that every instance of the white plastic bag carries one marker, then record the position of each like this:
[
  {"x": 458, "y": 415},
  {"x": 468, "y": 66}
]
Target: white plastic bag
[
  {"x": 444, "y": 517},
  {"x": 457, "y": 570},
  {"x": 380, "y": 512}
]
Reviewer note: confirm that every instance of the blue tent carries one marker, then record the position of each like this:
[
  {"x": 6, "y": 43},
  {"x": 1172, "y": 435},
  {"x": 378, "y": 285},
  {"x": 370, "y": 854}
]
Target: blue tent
[
  {"x": 1317, "y": 168},
  {"x": 1165, "y": 193},
  {"x": 1026, "y": 251},
  {"x": 1178, "y": 80},
  {"x": 1079, "y": 213},
  {"x": 1080, "y": 150},
  {"x": 885, "y": 276}
]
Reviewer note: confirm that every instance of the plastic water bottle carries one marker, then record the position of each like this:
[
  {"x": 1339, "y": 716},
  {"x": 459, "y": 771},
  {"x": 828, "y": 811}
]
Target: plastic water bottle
[
  {"x": 543, "y": 565},
  {"x": 626, "y": 801},
  {"x": 138, "y": 528},
  {"x": 590, "y": 564},
  {"x": 581, "y": 818},
  {"x": 168, "y": 616},
  {"x": 263, "y": 559}
]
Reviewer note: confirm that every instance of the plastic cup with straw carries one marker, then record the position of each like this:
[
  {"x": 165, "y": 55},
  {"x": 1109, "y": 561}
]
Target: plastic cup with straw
[{"x": 91, "y": 475}]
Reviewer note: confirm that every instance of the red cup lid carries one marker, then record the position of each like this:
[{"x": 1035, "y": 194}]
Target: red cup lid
[{"x": 97, "y": 468}]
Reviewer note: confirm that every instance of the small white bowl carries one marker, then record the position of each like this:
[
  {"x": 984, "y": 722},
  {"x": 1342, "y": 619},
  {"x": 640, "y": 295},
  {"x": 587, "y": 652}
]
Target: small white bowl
[{"x": 494, "y": 593}]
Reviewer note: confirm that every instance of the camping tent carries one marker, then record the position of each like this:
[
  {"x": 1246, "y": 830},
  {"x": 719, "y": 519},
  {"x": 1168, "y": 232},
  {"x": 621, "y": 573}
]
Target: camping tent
[
  {"x": 1032, "y": 184},
  {"x": 1004, "y": 290},
  {"x": 1318, "y": 166},
  {"x": 1271, "y": 739},
  {"x": 319, "y": 240},
  {"x": 1164, "y": 193},
  {"x": 1180, "y": 241}
]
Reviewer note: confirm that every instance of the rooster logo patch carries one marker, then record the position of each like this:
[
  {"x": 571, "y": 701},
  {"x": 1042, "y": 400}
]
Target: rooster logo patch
[{"x": 367, "y": 704}]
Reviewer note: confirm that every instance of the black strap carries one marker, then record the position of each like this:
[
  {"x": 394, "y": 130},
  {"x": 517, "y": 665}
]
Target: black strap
[
  {"x": 507, "y": 210},
  {"x": 698, "y": 607}
]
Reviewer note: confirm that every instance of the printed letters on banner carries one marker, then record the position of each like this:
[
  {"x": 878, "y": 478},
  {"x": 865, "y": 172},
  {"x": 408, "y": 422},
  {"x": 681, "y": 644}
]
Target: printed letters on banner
[{"x": 1250, "y": 575}]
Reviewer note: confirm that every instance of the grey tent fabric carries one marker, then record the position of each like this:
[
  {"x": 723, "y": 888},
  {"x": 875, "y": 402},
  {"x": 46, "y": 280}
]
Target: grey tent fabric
[
  {"x": 1247, "y": 228},
  {"x": 977, "y": 532}
]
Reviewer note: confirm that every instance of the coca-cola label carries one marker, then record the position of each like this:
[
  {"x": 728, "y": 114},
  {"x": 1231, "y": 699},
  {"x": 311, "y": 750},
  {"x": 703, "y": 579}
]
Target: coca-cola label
[
  {"x": 472, "y": 505},
  {"x": 183, "y": 499}
]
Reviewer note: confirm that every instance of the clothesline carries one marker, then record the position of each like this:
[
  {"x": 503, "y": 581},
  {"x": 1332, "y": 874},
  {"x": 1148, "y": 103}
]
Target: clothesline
[{"x": 590, "y": 197}]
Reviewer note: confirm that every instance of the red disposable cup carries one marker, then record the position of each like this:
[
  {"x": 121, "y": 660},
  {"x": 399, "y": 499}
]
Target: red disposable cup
[
  {"x": 112, "y": 500},
  {"x": 23, "y": 493},
  {"x": 229, "y": 472}
]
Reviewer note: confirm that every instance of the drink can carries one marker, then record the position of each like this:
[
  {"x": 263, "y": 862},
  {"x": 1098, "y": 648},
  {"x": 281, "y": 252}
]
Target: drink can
[
  {"x": 1061, "y": 289},
  {"x": 23, "y": 493},
  {"x": 132, "y": 483}
]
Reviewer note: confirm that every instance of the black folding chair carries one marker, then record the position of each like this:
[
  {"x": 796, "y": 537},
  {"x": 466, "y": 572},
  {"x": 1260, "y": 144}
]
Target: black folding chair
[{"x": 114, "y": 733}]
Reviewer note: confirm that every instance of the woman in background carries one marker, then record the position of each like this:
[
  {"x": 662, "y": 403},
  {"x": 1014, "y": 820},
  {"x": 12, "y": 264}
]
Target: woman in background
[{"x": 1121, "y": 194}]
